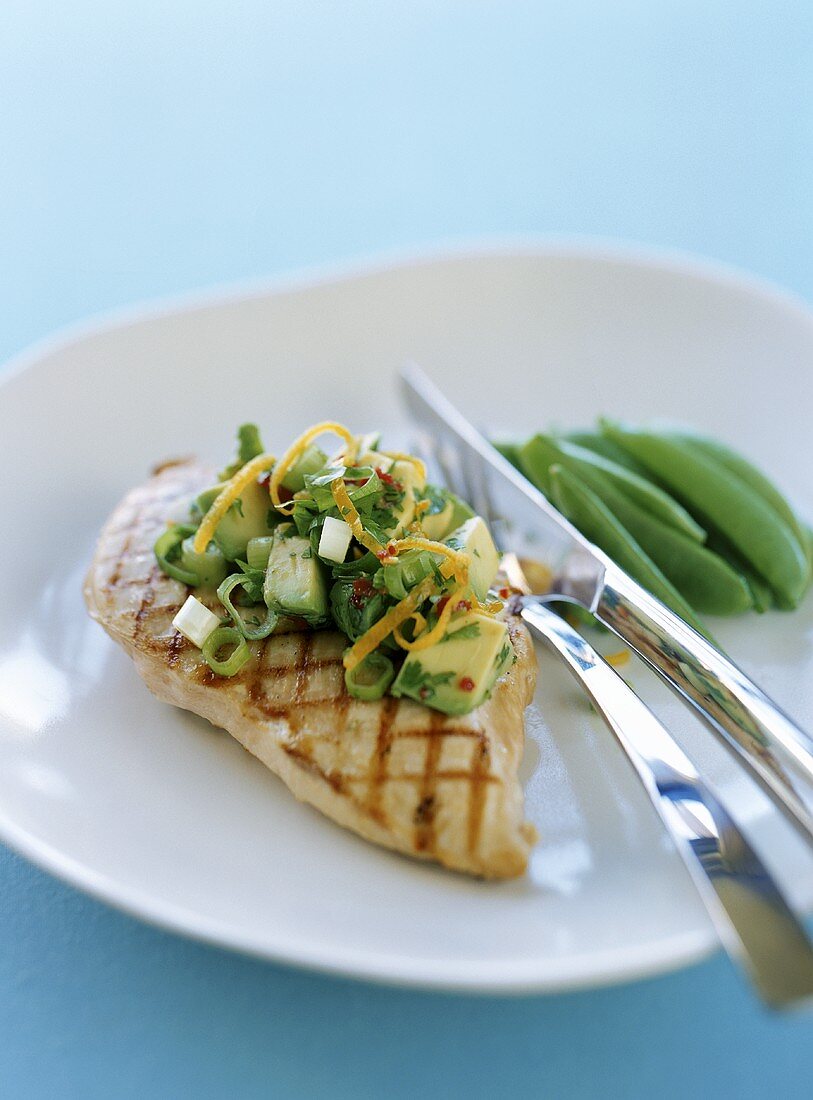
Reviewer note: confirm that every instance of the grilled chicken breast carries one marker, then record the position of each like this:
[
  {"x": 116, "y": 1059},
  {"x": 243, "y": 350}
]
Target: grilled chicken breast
[{"x": 395, "y": 772}]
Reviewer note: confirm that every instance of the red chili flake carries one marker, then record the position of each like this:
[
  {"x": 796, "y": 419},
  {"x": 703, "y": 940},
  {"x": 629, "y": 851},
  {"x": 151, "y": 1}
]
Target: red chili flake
[
  {"x": 466, "y": 684},
  {"x": 387, "y": 551},
  {"x": 504, "y": 593},
  {"x": 462, "y": 605},
  {"x": 388, "y": 479},
  {"x": 362, "y": 590}
]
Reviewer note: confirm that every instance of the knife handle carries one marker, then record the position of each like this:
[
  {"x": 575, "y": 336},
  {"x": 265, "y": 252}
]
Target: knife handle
[{"x": 777, "y": 752}]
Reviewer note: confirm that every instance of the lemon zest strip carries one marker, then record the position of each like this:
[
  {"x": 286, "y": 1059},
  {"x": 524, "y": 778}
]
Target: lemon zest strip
[
  {"x": 349, "y": 513},
  {"x": 400, "y": 456},
  {"x": 295, "y": 450},
  {"x": 227, "y": 496}
]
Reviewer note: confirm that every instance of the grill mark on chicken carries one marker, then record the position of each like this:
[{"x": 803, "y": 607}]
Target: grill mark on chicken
[
  {"x": 479, "y": 777},
  {"x": 427, "y": 805},
  {"x": 147, "y": 601},
  {"x": 420, "y": 779},
  {"x": 379, "y": 764},
  {"x": 176, "y": 646}
]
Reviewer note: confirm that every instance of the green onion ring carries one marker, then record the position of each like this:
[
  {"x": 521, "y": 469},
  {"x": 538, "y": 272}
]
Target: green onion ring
[
  {"x": 168, "y": 546},
  {"x": 371, "y": 677},
  {"x": 224, "y": 595},
  {"x": 220, "y": 636}
]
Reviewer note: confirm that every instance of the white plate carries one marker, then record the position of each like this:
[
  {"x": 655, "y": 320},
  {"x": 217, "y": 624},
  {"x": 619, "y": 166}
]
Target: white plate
[{"x": 156, "y": 812}]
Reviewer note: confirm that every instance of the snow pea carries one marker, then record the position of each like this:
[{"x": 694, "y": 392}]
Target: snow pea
[
  {"x": 702, "y": 577},
  {"x": 543, "y": 450},
  {"x": 762, "y": 486},
  {"x": 761, "y": 595},
  {"x": 594, "y": 519},
  {"x": 723, "y": 501},
  {"x": 508, "y": 448},
  {"x": 607, "y": 448}
]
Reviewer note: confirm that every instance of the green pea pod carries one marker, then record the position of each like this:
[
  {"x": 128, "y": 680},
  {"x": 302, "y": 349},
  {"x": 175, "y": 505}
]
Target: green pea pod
[
  {"x": 701, "y": 576},
  {"x": 607, "y": 448},
  {"x": 594, "y": 519},
  {"x": 508, "y": 448},
  {"x": 761, "y": 594},
  {"x": 742, "y": 468},
  {"x": 536, "y": 457},
  {"x": 542, "y": 451},
  {"x": 723, "y": 501},
  {"x": 647, "y": 496}
]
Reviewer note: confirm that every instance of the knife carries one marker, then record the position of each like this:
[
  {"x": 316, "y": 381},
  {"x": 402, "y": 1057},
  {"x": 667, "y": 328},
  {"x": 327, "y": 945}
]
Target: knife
[{"x": 775, "y": 749}]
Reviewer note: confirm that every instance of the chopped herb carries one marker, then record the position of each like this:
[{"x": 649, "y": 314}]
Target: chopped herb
[
  {"x": 415, "y": 678},
  {"x": 470, "y": 630}
]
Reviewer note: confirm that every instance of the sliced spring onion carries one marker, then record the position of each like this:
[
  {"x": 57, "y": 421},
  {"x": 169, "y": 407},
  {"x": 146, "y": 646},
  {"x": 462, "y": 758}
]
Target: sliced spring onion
[
  {"x": 210, "y": 567},
  {"x": 167, "y": 551},
  {"x": 334, "y": 540},
  {"x": 245, "y": 629},
  {"x": 258, "y": 552},
  {"x": 195, "y": 621},
  {"x": 225, "y": 636},
  {"x": 371, "y": 677}
]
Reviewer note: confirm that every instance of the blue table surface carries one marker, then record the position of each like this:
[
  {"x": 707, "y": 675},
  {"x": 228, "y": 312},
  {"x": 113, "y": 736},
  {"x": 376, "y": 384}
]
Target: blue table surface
[{"x": 152, "y": 147}]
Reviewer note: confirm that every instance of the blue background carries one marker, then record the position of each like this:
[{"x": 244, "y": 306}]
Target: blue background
[{"x": 151, "y": 147}]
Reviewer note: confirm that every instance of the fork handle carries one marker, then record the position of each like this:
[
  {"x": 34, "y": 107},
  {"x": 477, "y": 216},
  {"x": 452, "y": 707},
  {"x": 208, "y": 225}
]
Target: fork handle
[
  {"x": 775, "y": 749},
  {"x": 756, "y": 924}
]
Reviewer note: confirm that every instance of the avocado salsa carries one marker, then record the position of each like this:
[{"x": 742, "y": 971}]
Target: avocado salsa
[{"x": 357, "y": 541}]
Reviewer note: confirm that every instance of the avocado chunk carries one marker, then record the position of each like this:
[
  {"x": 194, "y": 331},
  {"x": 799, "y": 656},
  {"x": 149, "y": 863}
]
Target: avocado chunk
[
  {"x": 310, "y": 461},
  {"x": 251, "y": 516},
  {"x": 474, "y": 538},
  {"x": 459, "y": 672},
  {"x": 294, "y": 579},
  {"x": 446, "y": 512}
]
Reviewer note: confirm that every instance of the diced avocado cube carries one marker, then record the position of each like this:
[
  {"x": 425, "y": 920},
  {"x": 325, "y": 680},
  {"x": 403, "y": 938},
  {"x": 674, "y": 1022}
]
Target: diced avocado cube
[
  {"x": 204, "y": 501},
  {"x": 251, "y": 516},
  {"x": 446, "y": 513},
  {"x": 460, "y": 513},
  {"x": 310, "y": 461},
  {"x": 294, "y": 579},
  {"x": 474, "y": 539},
  {"x": 459, "y": 672}
]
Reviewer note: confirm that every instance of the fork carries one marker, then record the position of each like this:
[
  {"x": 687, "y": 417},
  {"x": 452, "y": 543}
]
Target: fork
[{"x": 751, "y": 915}]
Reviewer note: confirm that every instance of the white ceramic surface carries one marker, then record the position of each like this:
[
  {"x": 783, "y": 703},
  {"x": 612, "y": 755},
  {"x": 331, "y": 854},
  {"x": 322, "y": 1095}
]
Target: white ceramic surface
[{"x": 158, "y": 813}]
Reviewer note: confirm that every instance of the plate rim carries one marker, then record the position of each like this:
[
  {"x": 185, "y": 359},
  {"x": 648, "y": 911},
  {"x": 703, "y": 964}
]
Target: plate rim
[{"x": 609, "y": 967}]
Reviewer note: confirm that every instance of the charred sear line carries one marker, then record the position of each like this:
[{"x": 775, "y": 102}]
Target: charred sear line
[
  {"x": 481, "y": 766},
  {"x": 379, "y": 764},
  {"x": 424, "y": 811},
  {"x": 425, "y": 828}
]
